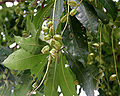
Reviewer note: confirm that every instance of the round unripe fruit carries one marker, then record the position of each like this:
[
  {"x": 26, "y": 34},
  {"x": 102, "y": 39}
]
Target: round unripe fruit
[
  {"x": 63, "y": 19},
  {"x": 50, "y": 23},
  {"x": 47, "y": 37},
  {"x": 76, "y": 82},
  {"x": 45, "y": 49},
  {"x": 52, "y": 41},
  {"x": 57, "y": 37},
  {"x": 113, "y": 77},
  {"x": 73, "y": 12},
  {"x": 45, "y": 29},
  {"x": 53, "y": 52},
  {"x": 72, "y": 3},
  {"x": 57, "y": 45},
  {"x": 51, "y": 30}
]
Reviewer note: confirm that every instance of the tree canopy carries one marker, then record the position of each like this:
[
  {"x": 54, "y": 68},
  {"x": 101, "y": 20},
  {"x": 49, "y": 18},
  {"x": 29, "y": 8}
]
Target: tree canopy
[{"x": 50, "y": 44}]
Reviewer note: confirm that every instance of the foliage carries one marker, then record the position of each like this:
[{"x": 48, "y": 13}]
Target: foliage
[{"x": 65, "y": 43}]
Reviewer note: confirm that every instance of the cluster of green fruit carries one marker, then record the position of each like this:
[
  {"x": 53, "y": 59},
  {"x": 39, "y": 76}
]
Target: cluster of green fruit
[{"x": 55, "y": 40}]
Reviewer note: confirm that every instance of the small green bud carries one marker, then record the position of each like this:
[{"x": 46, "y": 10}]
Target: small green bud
[
  {"x": 73, "y": 12},
  {"x": 50, "y": 23},
  {"x": 45, "y": 49},
  {"x": 52, "y": 41},
  {"x": 4, "y": 76},
  {"x": 63, "y": 19},
  {"x": 72, "y": 3},
  {"x": 57, "y": 45},
  {"x": 53, "y": 52},
  {"x": 47, "y": 37},
  {"x": 57, "y": 37},
  {"x": 51, "y": 30},
  {"x": 45, "y": 29},
  {"x": 113, "y": 77}
]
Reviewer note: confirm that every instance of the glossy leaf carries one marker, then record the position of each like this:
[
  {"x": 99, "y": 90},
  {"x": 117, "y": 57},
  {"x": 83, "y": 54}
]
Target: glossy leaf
[
  {"x": 110, "y": 6},
  {"x": 51, "y": 83},
  {"x": 58, "y": 12},
  {"x": 87, "y": 16},
  {"x": 102, "y": 15},
  {"x": 30, "y": 44},
  {"x": 31, "y": 27},
  {"x": 88, "y": 77},
  {"x": 75, "y": 41},
  {"x": 22, "y": 60},
  {"x": 66, "y": 79}
]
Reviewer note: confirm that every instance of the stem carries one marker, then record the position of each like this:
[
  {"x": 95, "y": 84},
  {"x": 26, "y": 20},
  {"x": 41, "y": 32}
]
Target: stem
[
  {"x": 67, "y": 20},
  {"x": 78, "y": 4},
  {"x": 100, "y": 43},
  {"x": 54, "y": 12},
  {"x": 114, "y": 58},
  {"x": 49, "y": 61}
]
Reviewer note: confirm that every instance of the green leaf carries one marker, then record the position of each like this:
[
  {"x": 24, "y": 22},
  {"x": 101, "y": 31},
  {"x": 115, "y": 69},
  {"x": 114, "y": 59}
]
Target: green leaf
[
  {"x": 51, "y": 84},
  {"x": 74, "y": 39},
  {"x": 66, "y": 79},
  {"x": 58, "y": 12},
  {"x": 88, "y": 77},
  {"x": 110, "y": 6},
  {"x": 30, "y": 44},
  {"x": 22, "y": 60},
  {"x": 31, "y": 27},
  {"x": 87, "y": 16},
  {"x": 37, "y": 70},
  {"x": 41, "y": 15},
  {"x": 102, "y": 15},
  {"x": 105, "y": 34}
]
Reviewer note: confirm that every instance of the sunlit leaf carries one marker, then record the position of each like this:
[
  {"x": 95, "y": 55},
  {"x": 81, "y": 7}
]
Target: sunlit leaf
[{"x": 22, "y": 60}]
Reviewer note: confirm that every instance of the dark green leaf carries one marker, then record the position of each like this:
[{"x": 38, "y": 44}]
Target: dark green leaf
[
  {"x": 22, "y": 60},
  {"x": 4, "y": 52},
  {"x": 102, "y": 15},
  {"x": 66, "y": 80},
  {"x": 30, "y": 44},
  {"x": 110, "y": 6},
  {"x": 88, "y": 77},
  {"x": 58, "y": 12},
  {"x": 75, "y": 41},
  {"x": 51, "y": 84},
  {"x": 87, "y": 16}
]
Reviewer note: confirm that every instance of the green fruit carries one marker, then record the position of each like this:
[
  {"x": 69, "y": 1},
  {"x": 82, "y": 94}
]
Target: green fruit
[
  {"x": 57, "y": 37},
  {"x": 52, "y": 41},
  {"x": 50, "y": 23},
  {"x": 73, "y": 12},
  {"x": 63, "y": 19},
  {"x": 51, "y": 30},
  {"x": 45, "y": 49},
  {"x": 72, "y": 3},
  {"x": 113, "y": 77},
  {"x": 47, "y": 37},
  {"x": 53, "y": 52},
  {"x": 57, "y": 45},
  {"x": 45, "y": 29}
]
